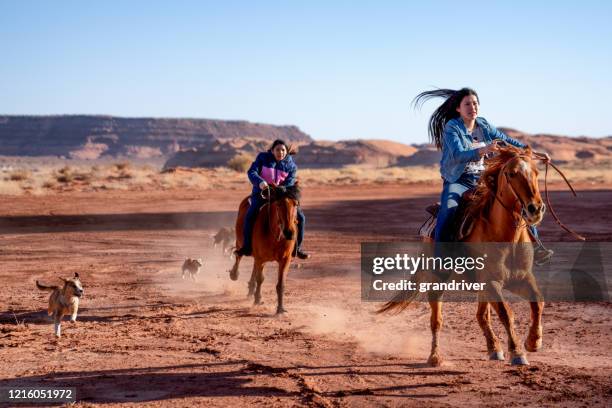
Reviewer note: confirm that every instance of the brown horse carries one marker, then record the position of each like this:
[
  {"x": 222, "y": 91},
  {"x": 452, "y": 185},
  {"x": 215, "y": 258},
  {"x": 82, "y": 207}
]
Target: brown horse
[
  {"x": 506, "y": 200},
  {"x": 274, "y": 238}
]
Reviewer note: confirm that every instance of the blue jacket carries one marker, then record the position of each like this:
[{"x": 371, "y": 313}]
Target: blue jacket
[
  {"x": 457, "y": 146},
  {"x": 266, "y": 168}
]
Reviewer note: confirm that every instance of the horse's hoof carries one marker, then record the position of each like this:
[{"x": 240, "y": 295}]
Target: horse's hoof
[
  {"x": 258, "y": 303},
  {"x": 519, "y": 360},
  {"x": 533, "y": 346},
  {"x": 434, "y": 360},
  {"x": 497, "y": 356},
  {"x": 281, "y": 311}
]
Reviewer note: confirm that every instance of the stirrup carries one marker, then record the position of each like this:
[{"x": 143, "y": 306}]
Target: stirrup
[{"x": 542, "y": 255}]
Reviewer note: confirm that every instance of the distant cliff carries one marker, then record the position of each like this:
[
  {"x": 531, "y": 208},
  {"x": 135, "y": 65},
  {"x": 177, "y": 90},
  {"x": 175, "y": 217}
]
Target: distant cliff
[
  {"x": 89, "y": 137},
  {"x": 384, "y": 153}
]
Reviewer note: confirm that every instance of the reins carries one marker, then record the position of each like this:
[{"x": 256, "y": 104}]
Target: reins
[
  {"x": 517, "y": 222},
  {"x": 552, "y": 211},
  {"x": 269, "y": 202}
]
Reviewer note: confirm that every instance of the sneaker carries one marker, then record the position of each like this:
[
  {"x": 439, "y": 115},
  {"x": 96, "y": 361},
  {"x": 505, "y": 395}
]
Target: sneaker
[
  {"x": 302, "y": 255},
  {"x": 542, "y": 255}
]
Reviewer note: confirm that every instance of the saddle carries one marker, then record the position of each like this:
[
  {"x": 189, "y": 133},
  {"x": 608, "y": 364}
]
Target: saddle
[{"x": 462, "y": 225}]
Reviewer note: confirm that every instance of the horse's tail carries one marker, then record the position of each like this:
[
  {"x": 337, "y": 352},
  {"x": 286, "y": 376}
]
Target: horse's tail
[
  {"x": 402, "y": 300},
  {"x": 398, "y": 304}
]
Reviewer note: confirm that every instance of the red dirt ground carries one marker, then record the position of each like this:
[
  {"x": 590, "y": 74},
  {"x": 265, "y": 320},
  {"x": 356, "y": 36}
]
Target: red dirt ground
[{"x": 145, "y": 337}]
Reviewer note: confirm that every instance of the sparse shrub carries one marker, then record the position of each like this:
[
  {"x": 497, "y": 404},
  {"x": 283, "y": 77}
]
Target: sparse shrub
[
  {"x": 240, "y": 162},
  {"x": 20, "y": 175},
  {"x": 65, "y": 170},
  {"x": 64, "y": 175},
  {"x": 122, "y": 166},
  {"x": 85, "y": 177}
]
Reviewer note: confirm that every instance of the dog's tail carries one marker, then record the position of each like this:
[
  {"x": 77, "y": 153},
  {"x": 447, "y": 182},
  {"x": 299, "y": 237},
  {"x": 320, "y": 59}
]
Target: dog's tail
[{"x": 44, "y": 287}]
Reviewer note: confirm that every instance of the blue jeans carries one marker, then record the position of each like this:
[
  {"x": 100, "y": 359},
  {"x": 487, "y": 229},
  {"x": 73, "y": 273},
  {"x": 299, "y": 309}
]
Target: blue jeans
[
  {"x": 449, "y": 201},
  {"x": 256, "y": 203}
]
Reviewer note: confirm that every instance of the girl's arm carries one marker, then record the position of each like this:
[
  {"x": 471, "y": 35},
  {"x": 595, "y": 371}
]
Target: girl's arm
[
  {"x": 291, "y": 177},
  {"x": 456, "y": 151},
  {"x": 499, "y": 135},
  {"x": 253, "y": 172}
]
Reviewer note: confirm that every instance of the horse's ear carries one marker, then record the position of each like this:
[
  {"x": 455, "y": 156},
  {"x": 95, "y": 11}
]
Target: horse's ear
[
  {"x": 528, "y": 150},
  {"x": 291, "y": 151}
]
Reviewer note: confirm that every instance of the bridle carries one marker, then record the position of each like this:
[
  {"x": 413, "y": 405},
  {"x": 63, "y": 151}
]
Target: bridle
[
  {"x": 280, "y": 224},
  {"x": 518, "y": 224},
  {"x": 268, "y": 198}
]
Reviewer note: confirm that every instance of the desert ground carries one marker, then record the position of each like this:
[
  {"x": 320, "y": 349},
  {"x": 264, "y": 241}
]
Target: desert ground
[{"x": 144, "y": 337}]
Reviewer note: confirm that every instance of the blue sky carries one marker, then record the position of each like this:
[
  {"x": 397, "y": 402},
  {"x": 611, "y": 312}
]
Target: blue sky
[{"x": 337, "y": 70}]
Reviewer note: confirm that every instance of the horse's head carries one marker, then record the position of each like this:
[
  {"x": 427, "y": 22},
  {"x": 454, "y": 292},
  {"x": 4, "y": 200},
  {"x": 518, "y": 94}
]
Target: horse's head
[
  {"x": 518, "y": 175},
  {"x": 285, "y": 202}
]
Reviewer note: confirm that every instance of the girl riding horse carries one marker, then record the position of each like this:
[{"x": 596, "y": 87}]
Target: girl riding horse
[
  {"x": 273, "y": 167},
  {"x": 464, "y": 139}
]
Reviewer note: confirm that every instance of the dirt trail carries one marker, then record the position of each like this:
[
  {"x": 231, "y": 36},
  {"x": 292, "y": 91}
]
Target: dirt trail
[{"x": 146, "y": 337}]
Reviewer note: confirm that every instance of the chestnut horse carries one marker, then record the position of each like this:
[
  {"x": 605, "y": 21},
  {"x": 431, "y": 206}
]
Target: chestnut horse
[
  {"x": 274, "y": 238},
  {"x": 505, "y": 202}
]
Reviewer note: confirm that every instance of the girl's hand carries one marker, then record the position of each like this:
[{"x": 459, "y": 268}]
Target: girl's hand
[
  {"x": 490, "y": 148},
  {"x": 263, "y": 185},
  {"x": 542, "y": 155}
]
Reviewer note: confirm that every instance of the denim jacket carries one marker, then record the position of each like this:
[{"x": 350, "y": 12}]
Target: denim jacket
[
  {"x": 457, "y": 146},
  {"x": 266, "y": 168}
]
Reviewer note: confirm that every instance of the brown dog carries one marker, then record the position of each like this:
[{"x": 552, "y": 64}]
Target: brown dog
[
  {"x": 224, "y": 237},
  {"x": 193, "y": 267},
  {"x": 63, "y": 301}
]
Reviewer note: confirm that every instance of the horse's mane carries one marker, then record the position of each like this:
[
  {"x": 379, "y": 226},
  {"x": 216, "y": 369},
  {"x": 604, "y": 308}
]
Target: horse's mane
[
  {"x": 292, "y": 192},
  {"x": 484, "y": 195},
  {"x": 278, "y": 193}
]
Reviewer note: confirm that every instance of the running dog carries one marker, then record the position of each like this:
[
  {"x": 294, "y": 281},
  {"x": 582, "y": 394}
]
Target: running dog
[
  {"x": 192, "y": 266},
  {"x": 64, "y": 300},
  {"x": 224, "y": 237}
]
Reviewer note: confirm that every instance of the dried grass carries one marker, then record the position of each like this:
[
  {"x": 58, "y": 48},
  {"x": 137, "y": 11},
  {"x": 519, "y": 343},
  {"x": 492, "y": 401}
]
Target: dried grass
[
  {"x": 20, "y": 175},
  {"x": 240, "y": 162},
  {"x": 125, "y": 176}
]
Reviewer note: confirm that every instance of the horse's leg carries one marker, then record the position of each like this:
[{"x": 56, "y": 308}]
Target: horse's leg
[
  {"x": 283, "y": 267},
  {"x": 533, "y": 342},
  {"x": 517, "y": 356},
  {"x": 252, "y": 283},
  {"x": 529, "y": 290},
  {"x": 484, "y": 320},
  {"x": 258, "y": 267},
  {"x": 234, "y": 271},
  {"x": 495, "y": 297},
  {"x": 434, "y": 359}
]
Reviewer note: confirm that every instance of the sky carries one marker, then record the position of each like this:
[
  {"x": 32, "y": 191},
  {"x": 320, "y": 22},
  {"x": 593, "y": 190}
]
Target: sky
[{"x": 336, "y": 69}]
